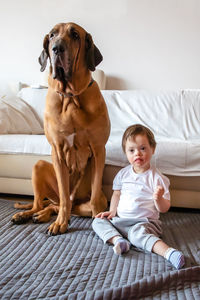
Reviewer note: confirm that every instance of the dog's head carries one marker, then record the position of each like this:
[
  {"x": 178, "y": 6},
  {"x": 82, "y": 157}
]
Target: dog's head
[{"x": 70, "y": 50}]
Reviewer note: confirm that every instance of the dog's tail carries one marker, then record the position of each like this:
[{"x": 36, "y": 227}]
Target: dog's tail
[{"x": 19, "y": 205}]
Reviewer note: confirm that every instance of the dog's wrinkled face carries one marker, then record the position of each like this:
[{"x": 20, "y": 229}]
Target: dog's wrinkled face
[
  {"x": 69, "y": 48},
  {"x": 64, "y": 47}
]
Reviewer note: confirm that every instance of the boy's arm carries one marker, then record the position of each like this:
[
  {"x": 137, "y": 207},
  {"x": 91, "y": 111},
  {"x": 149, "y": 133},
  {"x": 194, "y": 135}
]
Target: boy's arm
[
  {"x": 113, "y": 207},
  {"x": 161, "y": 203}
]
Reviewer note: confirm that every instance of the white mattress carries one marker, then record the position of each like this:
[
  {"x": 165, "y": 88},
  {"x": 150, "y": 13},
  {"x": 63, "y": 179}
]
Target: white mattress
[{"x": 172, "y": 116}]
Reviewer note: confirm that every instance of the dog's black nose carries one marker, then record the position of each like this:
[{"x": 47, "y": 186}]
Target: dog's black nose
[{"x": 58, "y": 47}]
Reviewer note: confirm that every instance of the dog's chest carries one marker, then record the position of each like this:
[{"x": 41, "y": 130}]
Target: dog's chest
[
  {"x": 67, "y": 137},
  {"x": 63, "y": 124},
  {"x": 62, "y": 117}
]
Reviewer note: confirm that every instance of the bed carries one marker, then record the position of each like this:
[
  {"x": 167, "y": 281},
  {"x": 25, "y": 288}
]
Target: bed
[{"x": 77, "y": 265}]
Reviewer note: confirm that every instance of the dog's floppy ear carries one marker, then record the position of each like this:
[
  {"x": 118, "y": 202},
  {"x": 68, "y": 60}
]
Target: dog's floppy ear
[
  {"x": 93, "y": 55},
  {"x": 44, "y": 54}
]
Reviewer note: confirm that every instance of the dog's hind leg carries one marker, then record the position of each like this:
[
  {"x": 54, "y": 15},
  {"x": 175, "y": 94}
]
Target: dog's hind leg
[
  {"x": 44, "y": 185},
  {"x": 83, "y": 209}
]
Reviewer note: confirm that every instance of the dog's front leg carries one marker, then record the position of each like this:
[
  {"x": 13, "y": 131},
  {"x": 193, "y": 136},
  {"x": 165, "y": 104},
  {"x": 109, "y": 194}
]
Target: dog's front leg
[
  {"x": 62, "y": 175},
  {"x": 98, "y": 202}
]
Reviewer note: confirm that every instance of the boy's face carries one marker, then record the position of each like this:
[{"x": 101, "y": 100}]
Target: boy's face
[{"x": 139, "y": 152}]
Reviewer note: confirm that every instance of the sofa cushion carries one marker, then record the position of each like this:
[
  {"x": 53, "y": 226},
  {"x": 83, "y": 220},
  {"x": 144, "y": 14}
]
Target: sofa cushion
[
  {"x": 168, "y": 114},
  {"x": 16, "y": 116},
  {"x": 172, "y": 156},
  {"x": 24, "y": 144}
]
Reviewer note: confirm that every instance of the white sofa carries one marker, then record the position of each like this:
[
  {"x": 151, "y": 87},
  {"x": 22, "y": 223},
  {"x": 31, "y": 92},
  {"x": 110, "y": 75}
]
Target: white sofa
[{"x": 173, "y": 116}]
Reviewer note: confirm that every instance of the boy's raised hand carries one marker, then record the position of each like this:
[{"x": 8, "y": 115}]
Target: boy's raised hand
[{"x": 158, "y": 193}]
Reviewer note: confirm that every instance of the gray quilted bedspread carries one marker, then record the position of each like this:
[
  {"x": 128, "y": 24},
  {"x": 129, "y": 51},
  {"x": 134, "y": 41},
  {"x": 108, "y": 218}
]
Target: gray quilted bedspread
[{"x": 77, "y": 265}]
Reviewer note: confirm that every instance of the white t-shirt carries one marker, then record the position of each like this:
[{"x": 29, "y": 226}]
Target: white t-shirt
[{"x": 136, "y": 199}]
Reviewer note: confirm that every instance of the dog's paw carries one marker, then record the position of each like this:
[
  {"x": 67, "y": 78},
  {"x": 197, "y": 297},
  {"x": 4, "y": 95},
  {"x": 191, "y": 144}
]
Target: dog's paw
[
  {"x": 55, "y": 228},
  {"x": 20, "y": 218},
  {"x": 35, "y": 219},
  {"x": 41, "y": 217}
]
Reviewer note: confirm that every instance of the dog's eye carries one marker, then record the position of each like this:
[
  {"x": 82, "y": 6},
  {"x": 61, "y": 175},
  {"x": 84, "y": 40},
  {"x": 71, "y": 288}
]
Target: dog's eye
[
  {"x": 51, "y": 35},
  {"x": 75, "y": 35}
]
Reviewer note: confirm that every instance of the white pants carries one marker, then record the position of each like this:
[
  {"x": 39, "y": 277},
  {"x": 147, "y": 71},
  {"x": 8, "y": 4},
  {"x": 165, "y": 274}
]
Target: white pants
[{"x": 142, "y": 233}]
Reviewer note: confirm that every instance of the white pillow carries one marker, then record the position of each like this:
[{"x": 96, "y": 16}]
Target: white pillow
[
  {"x": 16, "y": 116},
  {"x": 35, "y": 97}
]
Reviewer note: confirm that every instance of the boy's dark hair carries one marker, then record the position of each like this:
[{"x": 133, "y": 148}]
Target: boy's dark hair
[{"x": 136, "y": 129}]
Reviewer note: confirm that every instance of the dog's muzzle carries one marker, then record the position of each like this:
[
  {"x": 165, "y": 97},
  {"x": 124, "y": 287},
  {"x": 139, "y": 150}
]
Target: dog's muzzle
[
  {"x": 60, "y": 61},
  {"x": 58, "y": 47}
]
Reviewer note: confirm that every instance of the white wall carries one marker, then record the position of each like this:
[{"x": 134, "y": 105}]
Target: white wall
[{"x": 153, "y": 44}]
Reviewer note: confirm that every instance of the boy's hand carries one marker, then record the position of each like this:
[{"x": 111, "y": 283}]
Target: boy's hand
[
  {"x": 106, "y": 214},
  {"x": 157, "y": 195}
]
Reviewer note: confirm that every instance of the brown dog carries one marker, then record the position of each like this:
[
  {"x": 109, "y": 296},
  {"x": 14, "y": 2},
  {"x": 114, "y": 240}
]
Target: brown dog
[{"x": 76, "y": 125}]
